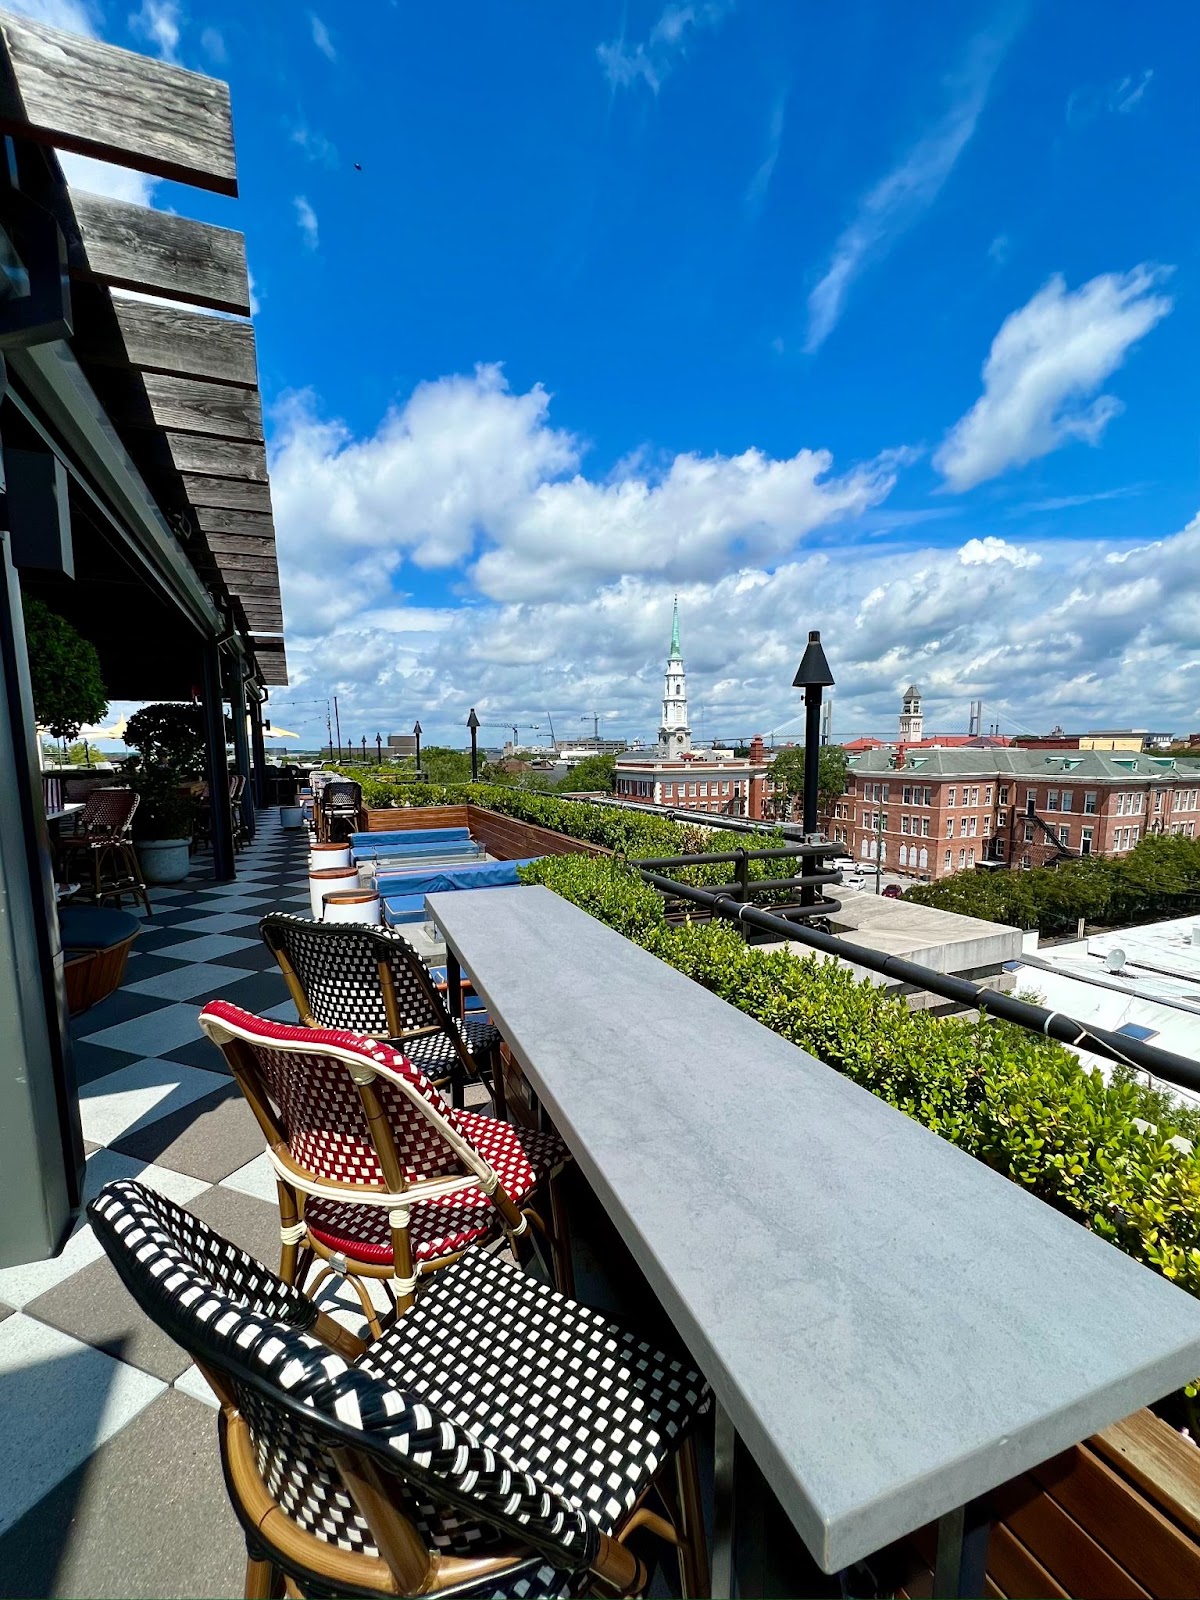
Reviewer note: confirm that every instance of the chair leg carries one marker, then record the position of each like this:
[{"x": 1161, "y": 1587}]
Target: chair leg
[
  {"x": 264, "y": 1581},
  {"x": 693, "y": 1549},
  {"x": 496, "y": 1066},
  {"x": 140, "y": 892}
]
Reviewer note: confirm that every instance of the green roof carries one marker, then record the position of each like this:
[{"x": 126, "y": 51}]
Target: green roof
[{"x": 1078, "y": 766}]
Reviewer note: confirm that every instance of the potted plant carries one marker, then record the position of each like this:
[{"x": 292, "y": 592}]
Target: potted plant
[{"x": 169, "y": 740}]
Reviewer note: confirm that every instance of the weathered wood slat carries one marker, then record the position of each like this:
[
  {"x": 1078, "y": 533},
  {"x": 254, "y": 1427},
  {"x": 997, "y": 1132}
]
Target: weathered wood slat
[
  {"x": 193, "y": 405},
  {"x": 1061, "y": 1545},
  {"x": 250, "y": 571},
  {"x": 262, "y": 616},
  {"x": 192, "y": 452},
  {"x": 272, "y": 660},
  {"x": 1016, "y": 1572},
  {"x": 230, "y": 494},
  {"x": 189, "y": 343},
  {"x": 78, "y": 94},
  {"x": 238, "y": 544},
  {"x": 156, "y": 252},
  {"x": 242, "y": 524}
]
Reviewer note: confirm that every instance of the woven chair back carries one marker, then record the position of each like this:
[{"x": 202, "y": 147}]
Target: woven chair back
[
  {"x": 303, "y": 1404},
  {"x": 109, "y": 811},
  {"x": 341, "y": 795}
]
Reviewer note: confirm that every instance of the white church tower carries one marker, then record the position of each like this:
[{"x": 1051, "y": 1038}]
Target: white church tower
[
  {"x": 674, "y": 735},
  {"x": 912, "y": 723}
]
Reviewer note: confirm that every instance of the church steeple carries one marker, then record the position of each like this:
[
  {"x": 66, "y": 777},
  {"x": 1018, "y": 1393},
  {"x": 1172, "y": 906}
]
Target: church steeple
[{"x": 674, "y": 735}]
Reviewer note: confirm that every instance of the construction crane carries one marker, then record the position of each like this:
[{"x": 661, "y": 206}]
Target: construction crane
[
  {"x": 594, "y": 718},
  {"x": 553, "y": 737},
  {"x": 529, "y": 727}
]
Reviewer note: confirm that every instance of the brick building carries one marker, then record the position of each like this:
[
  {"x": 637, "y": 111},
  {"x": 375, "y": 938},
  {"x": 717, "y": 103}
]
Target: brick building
[{"x": 929, "y": 812}]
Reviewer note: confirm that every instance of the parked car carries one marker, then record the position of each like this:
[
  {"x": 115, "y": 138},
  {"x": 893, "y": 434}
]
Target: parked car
[{"x": 893, "y": 892}]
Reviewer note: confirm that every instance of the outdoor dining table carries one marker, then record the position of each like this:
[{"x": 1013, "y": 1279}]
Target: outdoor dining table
[{"x": 890, "y": 1327}]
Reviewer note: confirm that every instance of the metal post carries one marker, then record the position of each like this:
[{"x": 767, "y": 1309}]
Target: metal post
[
  {"x": 813, "y": 675},
  {"x": 224, "y": 867},
  {"x": 962, "y": 1543},
  {"x": 241, "y": 741},
  {"x": 337, "y": 727},
  {"x": 724, "y": 1458},
  {"x": 258, "y": 752},
  {"x": 743, "y": 876},
  {"x": 473, "y": 724},
  {"x": 417, "y": 736},
  {"x": 378, "y": 749},
  {"x": 41, "y": 1147}
]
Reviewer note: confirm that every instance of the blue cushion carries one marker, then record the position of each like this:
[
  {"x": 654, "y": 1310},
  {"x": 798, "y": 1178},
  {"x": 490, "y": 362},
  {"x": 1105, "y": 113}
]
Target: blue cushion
[
  {"x": 95, "y": 927},
  {"x": 435, "y": 880},
  {"x": 402, "y": 836}
]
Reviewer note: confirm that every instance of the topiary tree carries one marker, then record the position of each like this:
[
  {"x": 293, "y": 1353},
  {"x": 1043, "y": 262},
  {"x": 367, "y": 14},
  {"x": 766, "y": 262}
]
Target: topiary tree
[
  {"x": 169, "y": 734},
  {"x": 64, "y": 670}
]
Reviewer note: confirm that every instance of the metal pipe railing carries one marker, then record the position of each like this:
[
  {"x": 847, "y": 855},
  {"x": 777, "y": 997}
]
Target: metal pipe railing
[{"x": 1163, "y": 1064}]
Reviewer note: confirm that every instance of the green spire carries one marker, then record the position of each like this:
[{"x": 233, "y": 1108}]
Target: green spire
[{"x": 675, "y": 631}]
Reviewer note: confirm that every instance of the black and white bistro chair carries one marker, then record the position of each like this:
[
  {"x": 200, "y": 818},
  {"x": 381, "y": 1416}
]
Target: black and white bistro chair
[
  {"x": 499, "y": 1440},
  {"x": 372, "y": 982}
]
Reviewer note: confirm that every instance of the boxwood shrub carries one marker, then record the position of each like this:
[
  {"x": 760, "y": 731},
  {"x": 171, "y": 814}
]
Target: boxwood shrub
[{"x": 1024, "y": 1105}]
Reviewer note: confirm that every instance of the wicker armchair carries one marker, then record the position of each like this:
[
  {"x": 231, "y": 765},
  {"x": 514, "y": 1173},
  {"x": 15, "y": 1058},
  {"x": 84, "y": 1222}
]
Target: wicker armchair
[
  {"x": 101, "y": 851},
  {"x": 378, "y": 1177},
  {"x": 458, "y": 1454},
  {"x": 340, "y": 803},
  {"x": 372, "y": 981}
]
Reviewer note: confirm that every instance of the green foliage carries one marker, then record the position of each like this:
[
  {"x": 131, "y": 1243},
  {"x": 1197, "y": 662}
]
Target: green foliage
[
  {"x": 832, "y": 766},
  {"x": 1022, "y": 1104},
  {"x": 594, "y": 772},
  {"x": 167, "y": 811},
  {"x": 169, "y": 734},
  {"x": 64, "y": 670},
  {"x": 1160, "y": 877},
  {"x": 442, "y": 765}
]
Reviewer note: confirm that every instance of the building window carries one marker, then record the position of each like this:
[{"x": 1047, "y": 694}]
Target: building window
[
  {"x": 924, "y": 857},
  {"x": 1003, "y": 794},
  {"x": 704, "y": 789},
  {"x": 1051, "y": 799},
  {"x": 972, "y": 829},
  {"x": 1064, "y": 834},
  {"x": 903, "y": 855},
  {"x": 691, "y": 791},
  {"x": 1089, "y": 803},
  {"x": 962, "y": 859},
  {"x": 949, "y": 827},
  {"x": 1121, "y": 805},
  {"x": 971, "y": 856},
  {"x": 987, "y": 826},
  {"x": 864, "y": 848},
  {"x": 1138, "y": 798},
  {"x": 725, "y": 788},
  {"x": 1002, "y": 819},
  {"x": 962, "y": 827},
  {"x": 1068, "y": 799},
  {"x": 1030, "y": 802},
  {"x": 1026, "y": 863},
  {"x": 999, "y": 849},
  {"x": 975, "y": 794},
  {"x": 987, "y": 795},
  {"x": 1137, "y": 833},
  {"x": 925, "y": 827},
  {"x": 1029, "y": 833},
  {"x": 903, "y": 824},
  {"x": 951, "y": 797},
  {"x": 949, "y": 862},
  {"x": 908, "y": 800},
  {"x": 928, "y": 797}
]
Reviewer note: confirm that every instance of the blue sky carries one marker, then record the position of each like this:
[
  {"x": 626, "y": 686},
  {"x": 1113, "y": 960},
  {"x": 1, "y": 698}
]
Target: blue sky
[{"x": 871, "y": 318}]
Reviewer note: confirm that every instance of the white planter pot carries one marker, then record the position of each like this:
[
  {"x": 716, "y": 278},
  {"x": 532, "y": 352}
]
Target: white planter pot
[
  {"x": 354, "y": 905},
  {"x": 291, "y": 816},
  {"x": 164, "y": 860},
  {"x": 326, "y": 880},
  {"x": 328, "y": 855}
]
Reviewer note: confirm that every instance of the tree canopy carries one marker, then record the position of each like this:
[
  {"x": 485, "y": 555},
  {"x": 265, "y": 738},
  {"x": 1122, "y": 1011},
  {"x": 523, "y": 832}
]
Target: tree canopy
[
  {"x": 832, "y": 766},
  {"x": 593, "y": 772},
  {"x": 64, "y": 672}
]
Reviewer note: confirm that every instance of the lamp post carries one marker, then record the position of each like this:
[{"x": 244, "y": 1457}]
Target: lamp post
[
  {"x": 417, "y": 737},
  {"x": 378, "y": 749},
  {"x": 812, "y": 675},
  {"x": 364, "y": 749},
  {"x": 473, "y": 724}
]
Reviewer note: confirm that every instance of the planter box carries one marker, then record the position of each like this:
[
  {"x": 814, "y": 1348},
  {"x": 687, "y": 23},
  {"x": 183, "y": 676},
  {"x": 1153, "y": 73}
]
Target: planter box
[
  {"x": 164, "y": 860},
  {"x": 506, "y": 838}
]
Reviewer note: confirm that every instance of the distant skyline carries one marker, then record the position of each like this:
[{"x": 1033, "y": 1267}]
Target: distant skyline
[{"x": 878, "y": 319}]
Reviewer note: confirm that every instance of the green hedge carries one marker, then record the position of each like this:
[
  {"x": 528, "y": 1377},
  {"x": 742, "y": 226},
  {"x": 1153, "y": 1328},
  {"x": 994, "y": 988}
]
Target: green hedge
[
  {"x": 1160, "y": 877},
  {"x": 1022, "y": 1104},
  {"x": 630, "y": 833}
]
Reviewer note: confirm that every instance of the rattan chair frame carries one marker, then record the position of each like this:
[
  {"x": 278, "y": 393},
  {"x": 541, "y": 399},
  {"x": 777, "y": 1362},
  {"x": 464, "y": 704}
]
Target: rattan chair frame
[
  {"x": 300, "y": 1250},
  {"x": 277, "y": 1549},
  {"x": 103, "y": 838},
  {"x": 394, "y": 960}
]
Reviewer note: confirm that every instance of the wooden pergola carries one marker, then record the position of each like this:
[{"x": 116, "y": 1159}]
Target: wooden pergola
[{"x": 136, "y": 503}]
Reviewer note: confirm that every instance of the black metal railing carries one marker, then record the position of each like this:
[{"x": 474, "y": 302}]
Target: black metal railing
[
  {"x": 1164, "y": 1064},
  {"x": 808, "y": 881}
]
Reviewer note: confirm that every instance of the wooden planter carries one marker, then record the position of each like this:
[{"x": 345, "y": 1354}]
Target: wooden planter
[
  {"x": 505, "y": 838},
  {"x": 92, "y": 975}
]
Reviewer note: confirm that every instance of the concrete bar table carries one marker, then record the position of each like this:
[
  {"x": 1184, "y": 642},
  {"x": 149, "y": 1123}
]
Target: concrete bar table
[{"x": 892, "y": 1328}]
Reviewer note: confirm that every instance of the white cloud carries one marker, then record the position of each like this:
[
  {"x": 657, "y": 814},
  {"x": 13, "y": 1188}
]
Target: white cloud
[
  {"x": 1043, "y": 370},
  {"x": 212, "y": 42},
  {"x": 315, "y": 145},
  {"x": 760, "y": 183},
  {"x": 320, "y": 37},
  {"x": 307, "y": 218},
  {"x": 1119, "y": 98},
  {"x": 650, "y": 60},
  {"x": 158, "y": 23},
  {"x": 895, "y": 203},
  {"x": 76, "y": 16},
  {"x": 1126, "y": 94},
  {"x": 255, "y": 301},
  {"x": 102, "y": 177}
]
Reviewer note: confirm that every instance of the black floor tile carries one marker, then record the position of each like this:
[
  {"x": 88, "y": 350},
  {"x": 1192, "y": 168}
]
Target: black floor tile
[
  {"x": 200, "y": 1053},
  {"x": 258, "y": 959},
  {"x": 94, "y": 1061},
  {"x": 120, "y": 1006},
  {"x": 258, "y": 991}
]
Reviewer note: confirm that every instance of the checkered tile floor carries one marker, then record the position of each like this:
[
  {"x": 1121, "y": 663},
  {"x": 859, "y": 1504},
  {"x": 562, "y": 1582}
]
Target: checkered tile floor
[{"x": 110, "y": 1483}]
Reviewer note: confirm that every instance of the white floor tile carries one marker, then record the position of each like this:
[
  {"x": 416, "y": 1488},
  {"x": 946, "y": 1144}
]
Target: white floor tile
[
  {"x": 256, "y": 1178},
  {"x": 20, "y": 1285},
  {"x": 152, "y": 1035},
  {"x": 141, "y": 1093},
  {"x": 60, "y": 1399},
  {"x": 191, "y": 1382},
  {"x": 186, "y": 980},
  {"x": 209, "y": 947}
]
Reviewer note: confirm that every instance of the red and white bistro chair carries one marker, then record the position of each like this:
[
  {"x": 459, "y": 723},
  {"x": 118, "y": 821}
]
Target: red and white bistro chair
[{"x": 378, "y": 1175}]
